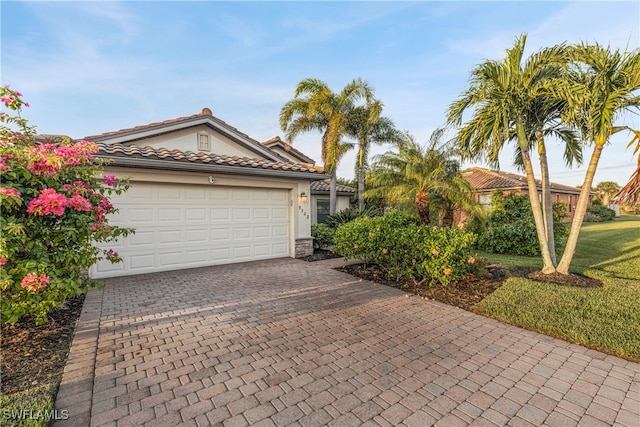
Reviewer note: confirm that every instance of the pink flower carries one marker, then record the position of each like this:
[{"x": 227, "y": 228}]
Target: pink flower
[
  {"x": 9, "y": 192},
  {"x": 32, "y": 282},
  {"x": 111, "y": 254},
  {"x": 79, "y": 203},
  {"x": 110, "y": 180},
  {"x": 48, "y": 202},
  {"x": 3, "y": 261}
]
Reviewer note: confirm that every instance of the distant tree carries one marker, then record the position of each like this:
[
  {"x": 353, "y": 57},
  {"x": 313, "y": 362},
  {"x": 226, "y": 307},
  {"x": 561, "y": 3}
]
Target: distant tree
[
  {"x": 315, "y": 107},
  {"x": 605, "y": 190}
]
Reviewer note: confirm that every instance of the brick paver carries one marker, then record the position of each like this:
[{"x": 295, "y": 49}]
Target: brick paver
[{"x": 286, "y": 342}]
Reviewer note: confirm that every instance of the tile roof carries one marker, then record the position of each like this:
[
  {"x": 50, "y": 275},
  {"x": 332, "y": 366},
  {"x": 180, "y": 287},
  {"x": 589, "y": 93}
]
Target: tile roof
[
  {"x": 484, "y": 180},
  {"x": 277, "y": 141},
  {"x": 323, "y": 186},
  {"x": 206, "y": 112},
  {"x": 117, "y": 151}
]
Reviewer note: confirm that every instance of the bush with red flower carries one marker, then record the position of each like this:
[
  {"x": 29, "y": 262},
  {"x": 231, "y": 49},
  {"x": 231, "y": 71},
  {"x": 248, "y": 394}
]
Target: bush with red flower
[{"x": 55, "y": 206}]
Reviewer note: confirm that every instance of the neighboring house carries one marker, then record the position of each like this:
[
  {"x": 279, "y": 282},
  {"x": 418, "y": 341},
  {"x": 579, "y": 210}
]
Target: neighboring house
[
  {"x": 485, "y": 182},
  {"x": 319, "y": 189},
  {"x": 203, "y": 193},
  {"x": 320, "y": 200}
]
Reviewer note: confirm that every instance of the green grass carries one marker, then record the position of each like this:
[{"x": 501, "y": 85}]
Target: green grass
[
  {"x": 31, "y": 408},
  {"x": 607, "y": 318}
]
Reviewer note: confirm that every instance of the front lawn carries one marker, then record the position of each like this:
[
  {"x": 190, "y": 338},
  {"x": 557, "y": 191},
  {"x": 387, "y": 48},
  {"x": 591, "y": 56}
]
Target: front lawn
[{"x": 606, "y": 318}]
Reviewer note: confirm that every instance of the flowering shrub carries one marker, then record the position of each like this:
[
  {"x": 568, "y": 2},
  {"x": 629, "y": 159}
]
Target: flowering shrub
[
  {"x": 402, "y": 247},
  {"x": 54, "y": 205}
]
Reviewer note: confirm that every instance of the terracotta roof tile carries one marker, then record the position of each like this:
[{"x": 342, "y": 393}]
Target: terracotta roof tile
[
  {"x": 323, "y": 186},
  {"x": 484, "y": 180},
  {"x": 206, "y": 112},
  {"x": 116, "y": 150},
  {"x": 276, "y": 140}
]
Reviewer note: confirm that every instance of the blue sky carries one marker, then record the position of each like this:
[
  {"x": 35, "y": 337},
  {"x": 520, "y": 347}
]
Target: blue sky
[{"x": 93, "y": 67}]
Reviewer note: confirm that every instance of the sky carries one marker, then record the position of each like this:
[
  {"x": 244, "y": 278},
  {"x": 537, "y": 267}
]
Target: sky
[{"x": 89, "y": 67}]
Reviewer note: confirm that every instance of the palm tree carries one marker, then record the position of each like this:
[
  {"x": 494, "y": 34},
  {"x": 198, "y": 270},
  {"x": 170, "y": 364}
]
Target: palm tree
[
  {"x": 601, "y": 87},
  {"x": 316, "y": 108},
  {"x": 415, "y": 175},
  {"x": 629, "y": 195},
  {"x": 512, "y": 102},
  {"x": 368, "y": 127},
  {"x": 605, "y": 190}
]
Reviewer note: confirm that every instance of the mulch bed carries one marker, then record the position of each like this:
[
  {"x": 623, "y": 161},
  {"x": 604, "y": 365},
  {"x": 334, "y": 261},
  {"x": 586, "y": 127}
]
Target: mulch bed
[{"x": 33, "y": 355}]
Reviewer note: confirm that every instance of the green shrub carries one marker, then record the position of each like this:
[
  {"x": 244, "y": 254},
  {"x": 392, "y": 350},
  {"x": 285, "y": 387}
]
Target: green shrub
[
  {"x": 597, "y": 212},
  {"x": 400, "y": 246},
  {"x": 323, "y": 235},
  {"x": 512, "y": 230}
]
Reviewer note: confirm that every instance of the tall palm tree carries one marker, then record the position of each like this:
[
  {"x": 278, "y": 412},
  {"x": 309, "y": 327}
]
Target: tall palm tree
[
  {"x": 316, "y": 108},
  {"x": 629, "y": 195},
  {"x": 368, "y": 127},
  {"x": 415, "y": 175},
  {"x": 512, "y": 102},
  {"x": 601, "y": 87}
]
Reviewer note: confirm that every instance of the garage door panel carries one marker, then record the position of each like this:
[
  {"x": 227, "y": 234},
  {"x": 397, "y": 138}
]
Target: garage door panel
[
  {"x": 173, "y": 214},
  {"x": 171, "y": 237},
  {"x": 140, "y": 238},
  {"x": 241, "y": 214},
  {"x": 136, "y": 215},
  {"x": 196, "y": 214},
  {"x": 197, "y": 256},
  {"x": 184, "y": 226},
  {"x": 219, "y": 214}
]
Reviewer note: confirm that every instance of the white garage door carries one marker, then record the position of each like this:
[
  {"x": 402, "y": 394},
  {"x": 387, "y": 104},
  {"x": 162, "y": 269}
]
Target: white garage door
[{"x": 185, "y": 226}]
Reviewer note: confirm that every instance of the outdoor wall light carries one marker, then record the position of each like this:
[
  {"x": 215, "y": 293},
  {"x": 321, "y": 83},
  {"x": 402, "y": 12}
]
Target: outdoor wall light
[{"x": 303, "y": 197}]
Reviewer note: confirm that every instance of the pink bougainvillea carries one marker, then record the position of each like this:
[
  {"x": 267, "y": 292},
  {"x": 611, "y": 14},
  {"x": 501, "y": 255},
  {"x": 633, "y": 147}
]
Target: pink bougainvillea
[
  {"x": 79, "y": 203},
  {"x": 49, "y": 201},
  {"x": 110, "y": 180},
  {"x": 9, "y": 192},
  {"x": 32, "y": 282}
]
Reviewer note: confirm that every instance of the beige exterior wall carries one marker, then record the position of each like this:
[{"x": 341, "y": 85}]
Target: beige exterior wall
[
  {"x": 571, "y": 200},
  {"x": 187, "y": 140},
  {"x": 299, "y": 212}
]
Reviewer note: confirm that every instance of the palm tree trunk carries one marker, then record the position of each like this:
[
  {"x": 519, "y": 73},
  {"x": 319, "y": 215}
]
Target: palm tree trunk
[
  {"x": 581, "y": 209},
  {"x": 447, "y": 219},
  {"x": 547, "y": 265},
  {"x": 547, "y": 203},
  {"x": 333, "y": 197},
  {"x": 422, "y": 203},
  {"x": 361, "y": 187}
]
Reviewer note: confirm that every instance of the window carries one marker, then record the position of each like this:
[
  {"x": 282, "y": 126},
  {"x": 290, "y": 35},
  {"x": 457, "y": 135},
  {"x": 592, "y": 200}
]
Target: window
[
  {"x": 322, "y": 210},
  {"x": 203, "y": 142},
  {"x": 485, "y": 201}
]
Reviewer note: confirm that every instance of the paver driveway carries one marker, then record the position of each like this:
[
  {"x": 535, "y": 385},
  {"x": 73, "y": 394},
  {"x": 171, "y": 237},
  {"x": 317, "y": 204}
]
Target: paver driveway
[{"x": 286, "y": 342}]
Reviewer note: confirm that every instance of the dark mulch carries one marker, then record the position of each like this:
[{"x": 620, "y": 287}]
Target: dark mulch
[
  {"x": 464, "y": 294},
  {"x": 468, "y": 292},
  {"x": 33, "y": 355},
  {"x": 320, "y": 254}
]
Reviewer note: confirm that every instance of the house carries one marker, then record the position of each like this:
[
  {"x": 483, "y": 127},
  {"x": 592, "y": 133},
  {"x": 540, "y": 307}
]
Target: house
[
  {"x": 485, "y": 182},
  {"x": 203, "y": 193}
]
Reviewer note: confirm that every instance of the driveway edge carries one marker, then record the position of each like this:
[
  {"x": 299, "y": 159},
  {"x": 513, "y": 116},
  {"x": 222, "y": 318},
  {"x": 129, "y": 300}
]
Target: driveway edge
[{"x": 75, "y": 393}]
